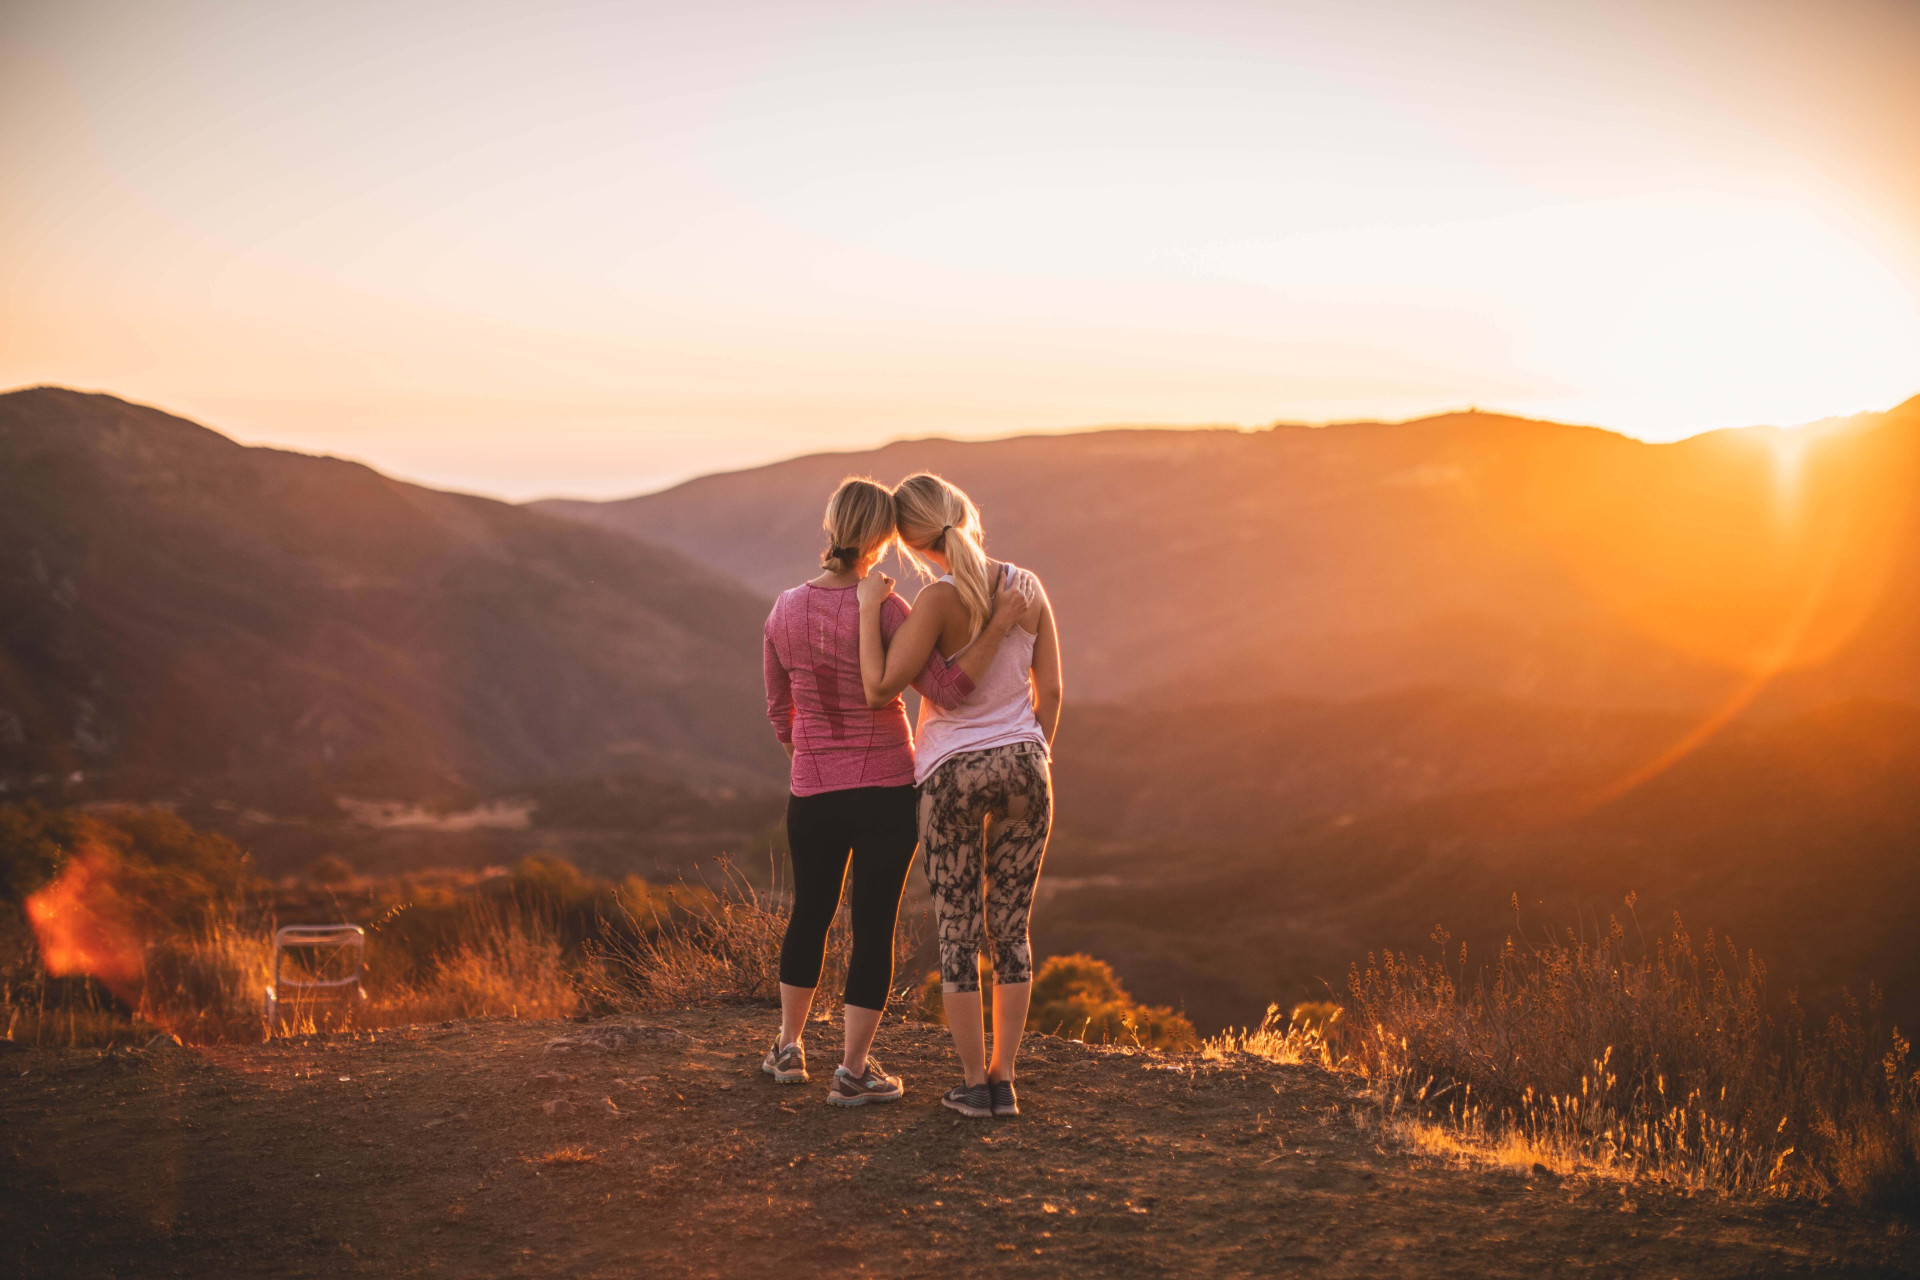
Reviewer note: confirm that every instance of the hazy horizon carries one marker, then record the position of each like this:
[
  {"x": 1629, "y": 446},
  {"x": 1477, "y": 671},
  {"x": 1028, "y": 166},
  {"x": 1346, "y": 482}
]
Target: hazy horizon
[{"x": 749, "y": 464}]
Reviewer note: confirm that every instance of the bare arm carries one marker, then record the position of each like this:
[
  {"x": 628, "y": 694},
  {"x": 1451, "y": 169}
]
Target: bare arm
[
  {"x": 887, "y": 667},
  {"x": 941, "y": 683},
  {"x": 1048, "y": 688}
]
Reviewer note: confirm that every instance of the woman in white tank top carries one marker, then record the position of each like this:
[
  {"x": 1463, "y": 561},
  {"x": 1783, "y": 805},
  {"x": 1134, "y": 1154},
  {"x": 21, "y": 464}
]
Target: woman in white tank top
[
  {"x": 998, "y": 713},
  {"x": 986, "y": 789}
]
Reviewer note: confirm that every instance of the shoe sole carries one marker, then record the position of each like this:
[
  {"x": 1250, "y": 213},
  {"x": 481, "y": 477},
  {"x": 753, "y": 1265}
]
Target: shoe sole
[
  {"x": 1011, "y": 1111},
  {"x": 862, "y": 1099},
  {"x": 972, "y": 1113},
  {"x": 785, "y": 1077}
]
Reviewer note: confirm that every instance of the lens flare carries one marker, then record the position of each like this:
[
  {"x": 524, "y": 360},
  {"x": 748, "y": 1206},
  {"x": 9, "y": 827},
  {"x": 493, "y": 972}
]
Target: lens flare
[{"x": 86, "y": 928}]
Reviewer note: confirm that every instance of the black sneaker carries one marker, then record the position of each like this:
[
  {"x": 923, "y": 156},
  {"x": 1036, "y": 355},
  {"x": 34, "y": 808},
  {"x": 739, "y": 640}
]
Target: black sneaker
[
  {"x": 969, "y": 1100},
  {"x": 1005, "y": 1101}
]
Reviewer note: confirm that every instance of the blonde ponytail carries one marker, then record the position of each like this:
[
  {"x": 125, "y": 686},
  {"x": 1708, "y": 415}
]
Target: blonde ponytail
[
  {"x": 859, "y": 522},
  {"x": 936, "y": 516}
]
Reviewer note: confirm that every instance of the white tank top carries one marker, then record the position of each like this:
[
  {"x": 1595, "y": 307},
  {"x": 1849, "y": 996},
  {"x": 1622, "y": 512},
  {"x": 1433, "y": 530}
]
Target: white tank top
[{"x": 999, "y": 712}]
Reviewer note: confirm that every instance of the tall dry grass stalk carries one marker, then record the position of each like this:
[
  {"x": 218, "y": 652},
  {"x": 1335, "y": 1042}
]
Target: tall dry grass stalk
[
  {"x": 1665, "y": 1061},
  {"x": 208, "y": 984}
]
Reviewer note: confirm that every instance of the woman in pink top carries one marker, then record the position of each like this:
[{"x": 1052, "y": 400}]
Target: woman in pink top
[{"x": 853, "y": 796}]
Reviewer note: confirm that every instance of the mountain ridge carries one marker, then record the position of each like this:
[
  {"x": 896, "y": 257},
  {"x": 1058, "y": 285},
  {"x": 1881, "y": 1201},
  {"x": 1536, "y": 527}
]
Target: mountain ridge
[
  {"x": 1573, "y": 562},
  {"x": 273, "y": 627}
]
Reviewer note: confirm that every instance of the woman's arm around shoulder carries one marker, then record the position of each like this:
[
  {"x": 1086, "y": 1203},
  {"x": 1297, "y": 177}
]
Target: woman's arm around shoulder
[{"x": 889, "y": 663}]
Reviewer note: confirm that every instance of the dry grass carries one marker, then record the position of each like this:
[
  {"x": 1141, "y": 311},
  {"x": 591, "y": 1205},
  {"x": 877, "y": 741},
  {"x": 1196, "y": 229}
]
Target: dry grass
[
  {"x": 723, "y": 945},
  {"x": 507, "y": 964},
  {"x": 720, "y": 942},
  {"x": 1308, "y": 1034},
  {"x": 1665, "y": 1061},
  {"x": 207, "y": 985},
  {"x": 503, "y": 962}
]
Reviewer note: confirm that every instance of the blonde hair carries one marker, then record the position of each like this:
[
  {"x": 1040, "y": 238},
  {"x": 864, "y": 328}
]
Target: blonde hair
[
  {"x": 936, "y": 516},
  {"x": 859, "y": 521}
]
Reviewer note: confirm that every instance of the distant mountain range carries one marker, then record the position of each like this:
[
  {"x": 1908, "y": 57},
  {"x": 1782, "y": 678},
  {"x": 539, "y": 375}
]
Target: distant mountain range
[
  {"x": 185, "y": 618},
  {"x": 1525, "y": 558}
]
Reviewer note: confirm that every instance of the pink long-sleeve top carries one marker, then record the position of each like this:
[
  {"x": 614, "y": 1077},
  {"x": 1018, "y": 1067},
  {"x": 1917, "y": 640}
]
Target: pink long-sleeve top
[{"x": 817, "y": 702}]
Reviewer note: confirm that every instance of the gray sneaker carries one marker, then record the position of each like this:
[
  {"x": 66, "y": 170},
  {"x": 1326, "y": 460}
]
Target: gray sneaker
[
  {"x": 970, "y": 1100},
  {"x": 1005, "y": 1101},
  {"x": 787, "y": 1065},
  {"x": 871, "y": 1085}
]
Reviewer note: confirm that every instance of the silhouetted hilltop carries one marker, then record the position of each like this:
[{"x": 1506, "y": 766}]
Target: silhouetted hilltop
[{"x": 180, "y": 614}]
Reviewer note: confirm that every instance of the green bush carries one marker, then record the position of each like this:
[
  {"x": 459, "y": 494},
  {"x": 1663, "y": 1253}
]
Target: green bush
[{"x": 1079, "y": 997}]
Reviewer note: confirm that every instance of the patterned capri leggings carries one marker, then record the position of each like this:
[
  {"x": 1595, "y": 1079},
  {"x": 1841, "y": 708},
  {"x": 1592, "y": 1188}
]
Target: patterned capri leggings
[{"x": 1012, "y": 786}]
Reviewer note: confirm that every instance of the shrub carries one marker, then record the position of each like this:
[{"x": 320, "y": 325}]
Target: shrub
[
  {"x": 174, "y": 874},
  {"x": 1082, "y": 997},
  {"x": 132, "y": 911},
  {"x": 1079, "y": 997}
]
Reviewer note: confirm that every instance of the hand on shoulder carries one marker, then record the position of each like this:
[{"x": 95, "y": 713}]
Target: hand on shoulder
[
  {"x": 1014, "y": 599},
  {"x": 873, "y": 589}
]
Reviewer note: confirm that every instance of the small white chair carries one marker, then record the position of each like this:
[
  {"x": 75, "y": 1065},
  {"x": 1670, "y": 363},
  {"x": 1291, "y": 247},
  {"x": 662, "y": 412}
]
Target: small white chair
[{"x": 317, "y": 938}]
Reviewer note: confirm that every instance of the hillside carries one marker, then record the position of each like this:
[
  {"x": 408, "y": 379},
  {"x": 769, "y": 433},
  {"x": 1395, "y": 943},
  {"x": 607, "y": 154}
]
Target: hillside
[
  {"x": 1292, "y": 840},
  {"x": 1471, "y": 550},
  {"x": 185, "y": 618},
  {"x": 430, "y": 1150}
]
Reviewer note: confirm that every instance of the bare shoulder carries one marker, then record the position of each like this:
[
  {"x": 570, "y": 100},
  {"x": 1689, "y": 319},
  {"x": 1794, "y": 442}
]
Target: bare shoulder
[{"x": 940, "y": 596}]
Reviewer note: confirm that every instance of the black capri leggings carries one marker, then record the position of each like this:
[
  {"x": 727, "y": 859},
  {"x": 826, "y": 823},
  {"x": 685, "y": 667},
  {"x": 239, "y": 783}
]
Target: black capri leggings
[{"x": 879, "y": 827}]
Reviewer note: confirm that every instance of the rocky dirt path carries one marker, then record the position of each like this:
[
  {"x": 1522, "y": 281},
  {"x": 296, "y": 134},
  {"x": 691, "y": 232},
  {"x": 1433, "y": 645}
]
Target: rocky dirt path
[{"x": 472, "y": 1150}]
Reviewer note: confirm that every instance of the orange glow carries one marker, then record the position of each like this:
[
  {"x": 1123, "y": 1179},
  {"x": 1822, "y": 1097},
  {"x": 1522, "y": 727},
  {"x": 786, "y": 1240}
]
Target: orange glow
[
  {"x": 1766, "y": 554},
  {"x": 85, "y": 927},
  {"x": 1837, "y": 519}
]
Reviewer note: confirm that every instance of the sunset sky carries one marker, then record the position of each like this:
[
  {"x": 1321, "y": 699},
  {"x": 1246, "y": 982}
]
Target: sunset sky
[{"x": 536, "y": 249}]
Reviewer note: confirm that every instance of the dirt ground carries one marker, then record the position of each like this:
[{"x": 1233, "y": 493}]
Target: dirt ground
[{"x": 430, "y": 1151}]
